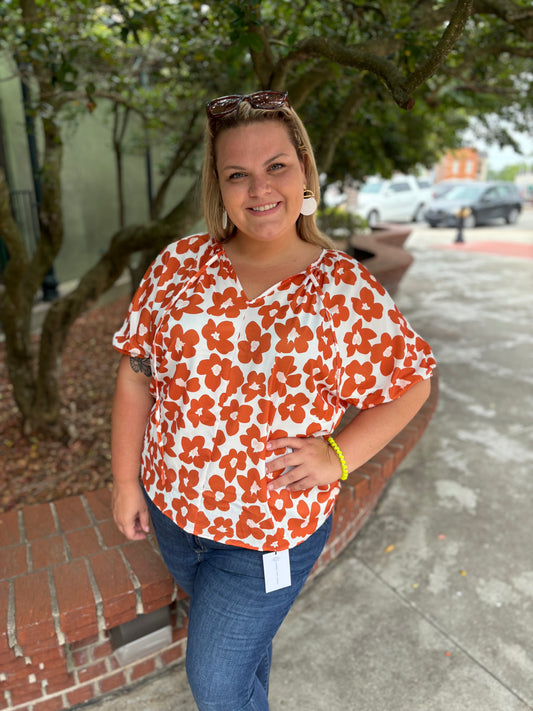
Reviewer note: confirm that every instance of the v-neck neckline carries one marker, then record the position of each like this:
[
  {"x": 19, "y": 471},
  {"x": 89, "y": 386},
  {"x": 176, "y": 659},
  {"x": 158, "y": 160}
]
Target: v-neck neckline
[{"x": 273, "y": 287}]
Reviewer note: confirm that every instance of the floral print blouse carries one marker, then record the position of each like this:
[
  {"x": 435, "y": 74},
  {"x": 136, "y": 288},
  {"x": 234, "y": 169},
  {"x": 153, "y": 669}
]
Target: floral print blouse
[{"x": 229, "y": 373}]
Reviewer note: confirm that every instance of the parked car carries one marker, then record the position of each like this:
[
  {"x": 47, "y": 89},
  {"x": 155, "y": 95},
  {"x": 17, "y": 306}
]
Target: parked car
[
  {"x": 486, "y": 202},
  {"x": 401, "y": 199},
  {"x": 439, "y": 189}
]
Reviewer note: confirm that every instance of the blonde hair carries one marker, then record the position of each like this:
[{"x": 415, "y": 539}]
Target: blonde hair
[{"x": 306, "y": 226}]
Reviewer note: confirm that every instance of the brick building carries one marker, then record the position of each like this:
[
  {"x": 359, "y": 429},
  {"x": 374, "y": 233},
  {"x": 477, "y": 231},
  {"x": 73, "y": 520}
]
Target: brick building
[{"x": 463, "y": 163}]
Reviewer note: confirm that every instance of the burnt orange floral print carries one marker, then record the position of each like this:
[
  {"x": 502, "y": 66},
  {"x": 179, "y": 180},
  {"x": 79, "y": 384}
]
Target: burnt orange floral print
[{"x": 229, "y": 374}]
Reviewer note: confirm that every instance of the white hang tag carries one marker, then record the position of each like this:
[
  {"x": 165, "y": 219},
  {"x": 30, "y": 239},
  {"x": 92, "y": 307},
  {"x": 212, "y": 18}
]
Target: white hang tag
[{"x": 277, "y": 567}]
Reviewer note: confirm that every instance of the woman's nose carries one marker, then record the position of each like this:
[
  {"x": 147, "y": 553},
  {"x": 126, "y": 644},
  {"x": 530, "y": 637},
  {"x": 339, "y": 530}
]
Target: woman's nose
[{"x": 259, "y": 186}]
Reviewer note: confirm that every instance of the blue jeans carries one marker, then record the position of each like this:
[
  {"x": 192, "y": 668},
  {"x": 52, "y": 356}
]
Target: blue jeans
[{"x": 232, "y": 621}]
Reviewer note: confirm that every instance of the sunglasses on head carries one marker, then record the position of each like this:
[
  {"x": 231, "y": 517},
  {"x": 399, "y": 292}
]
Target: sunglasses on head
[{"x": 224, "y": 105}]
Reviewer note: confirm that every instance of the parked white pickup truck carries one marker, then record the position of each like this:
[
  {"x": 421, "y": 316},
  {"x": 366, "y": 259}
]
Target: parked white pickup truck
[{"x": 400, "y": 199}]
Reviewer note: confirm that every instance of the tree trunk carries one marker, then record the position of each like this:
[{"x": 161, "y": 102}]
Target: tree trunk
[
  {"x": 119, "y": 129},
  {"x": 37, "y": 387},
  {"x": 43, "y": 416},
  {"x": 46, "y": 415},
  {"x": 16, "y": 301},
  {"x": 20, "y": 354}
]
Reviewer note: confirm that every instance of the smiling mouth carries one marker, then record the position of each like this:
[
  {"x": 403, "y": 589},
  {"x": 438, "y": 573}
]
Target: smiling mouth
[{"x": 264, "y": 208}]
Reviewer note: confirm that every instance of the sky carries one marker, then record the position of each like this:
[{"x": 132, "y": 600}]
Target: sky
[{"x": 498, "y": 157}]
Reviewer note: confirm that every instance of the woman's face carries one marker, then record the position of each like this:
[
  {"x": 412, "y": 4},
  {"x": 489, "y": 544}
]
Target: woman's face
[{"x": 261, "y": 180}]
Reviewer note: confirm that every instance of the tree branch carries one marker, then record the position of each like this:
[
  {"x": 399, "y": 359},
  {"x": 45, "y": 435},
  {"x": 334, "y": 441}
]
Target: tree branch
[
  {"x": 453, "y": 31},
  {"x": 510, "y": 49},
  {"x": 370, "y": 55},
  {"x": 134, "y": 238},
  {"x": 360, "y": 57},
  {"x": 521, "y": 18},
  {"x": 58, "y": 99},
  {"x": 338, "y": 127},
  {"x": 305, "y": 85},
  {"x": 263, "y": 61},
  {"x": 184, "y": 215},
  {"x": 191, "y": 140}
]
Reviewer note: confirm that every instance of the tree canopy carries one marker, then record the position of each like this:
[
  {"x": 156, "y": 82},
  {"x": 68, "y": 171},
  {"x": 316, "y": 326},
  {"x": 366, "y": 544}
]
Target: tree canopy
[{"x": 381, "y": 86}]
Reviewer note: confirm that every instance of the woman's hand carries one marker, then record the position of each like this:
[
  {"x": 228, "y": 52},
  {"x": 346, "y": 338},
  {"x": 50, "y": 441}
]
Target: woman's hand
[
  {"x": 130, "y": 510},
  {"x": 313, "y": 460}
]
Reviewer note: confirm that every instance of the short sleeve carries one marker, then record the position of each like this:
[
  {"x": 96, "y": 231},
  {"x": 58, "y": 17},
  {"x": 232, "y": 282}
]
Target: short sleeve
[
  {"x": 382, "y": 356},
  {"x": 135, "y": 336}
]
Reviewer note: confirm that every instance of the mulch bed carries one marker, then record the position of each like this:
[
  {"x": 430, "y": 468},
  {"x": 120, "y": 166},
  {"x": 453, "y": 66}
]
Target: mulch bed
[{"x": 34, "y": 470}]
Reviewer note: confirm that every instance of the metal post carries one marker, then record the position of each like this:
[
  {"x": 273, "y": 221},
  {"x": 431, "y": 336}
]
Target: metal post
[
  {"x": 460, "y": 224},
  {"x": 49, "y": 286},
  {"x": 461, "y": 214}
]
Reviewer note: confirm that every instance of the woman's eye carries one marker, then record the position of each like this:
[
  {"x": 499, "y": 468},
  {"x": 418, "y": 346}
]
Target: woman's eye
[
  {"x": 236, "y": 176},
  {"x": 277, "y": 166}
]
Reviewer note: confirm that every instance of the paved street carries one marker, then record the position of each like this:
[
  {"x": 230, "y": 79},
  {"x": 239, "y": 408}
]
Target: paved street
[
  {"x": 521, "y": 232},
  {"x": 431, "y": 607}
]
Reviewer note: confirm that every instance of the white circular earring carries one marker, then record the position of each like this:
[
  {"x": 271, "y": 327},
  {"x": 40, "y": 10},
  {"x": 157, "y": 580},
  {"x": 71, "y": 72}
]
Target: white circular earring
[
  {"x": 224, "y": 219},
  {"x": 309, "y": 204}
]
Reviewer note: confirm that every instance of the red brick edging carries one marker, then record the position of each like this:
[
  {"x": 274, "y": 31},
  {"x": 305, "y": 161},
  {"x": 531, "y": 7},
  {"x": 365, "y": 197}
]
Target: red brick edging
[{"x": 67, "y": 577}]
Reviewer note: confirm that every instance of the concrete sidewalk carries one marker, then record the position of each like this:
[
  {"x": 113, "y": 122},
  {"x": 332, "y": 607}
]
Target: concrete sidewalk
[{"x": 431, "y": 607}]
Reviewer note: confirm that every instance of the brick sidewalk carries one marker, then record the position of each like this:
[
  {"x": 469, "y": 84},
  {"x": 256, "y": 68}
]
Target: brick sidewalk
[{"x": 503, "y": 249}]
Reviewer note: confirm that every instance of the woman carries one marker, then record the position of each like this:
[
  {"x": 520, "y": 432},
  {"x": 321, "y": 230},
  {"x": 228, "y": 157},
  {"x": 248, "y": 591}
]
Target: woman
[{"x": 242, "y": 349}]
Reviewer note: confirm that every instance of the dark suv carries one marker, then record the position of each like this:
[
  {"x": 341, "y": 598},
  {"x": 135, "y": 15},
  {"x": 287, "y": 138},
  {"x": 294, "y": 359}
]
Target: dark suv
[{"x": 486, "y": 202}]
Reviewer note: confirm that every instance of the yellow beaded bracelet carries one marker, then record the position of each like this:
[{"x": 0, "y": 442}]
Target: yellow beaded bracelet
[{"x": 337, "y": 450}]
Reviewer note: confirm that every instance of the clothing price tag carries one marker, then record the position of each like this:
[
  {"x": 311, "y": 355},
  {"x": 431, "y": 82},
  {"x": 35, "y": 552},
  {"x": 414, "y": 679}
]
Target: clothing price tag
[{"x": 277, "y": 567}]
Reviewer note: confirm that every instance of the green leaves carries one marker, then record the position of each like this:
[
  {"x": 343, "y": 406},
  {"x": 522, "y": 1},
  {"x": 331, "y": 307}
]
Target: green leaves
[{"x": 163, "y": 58}]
